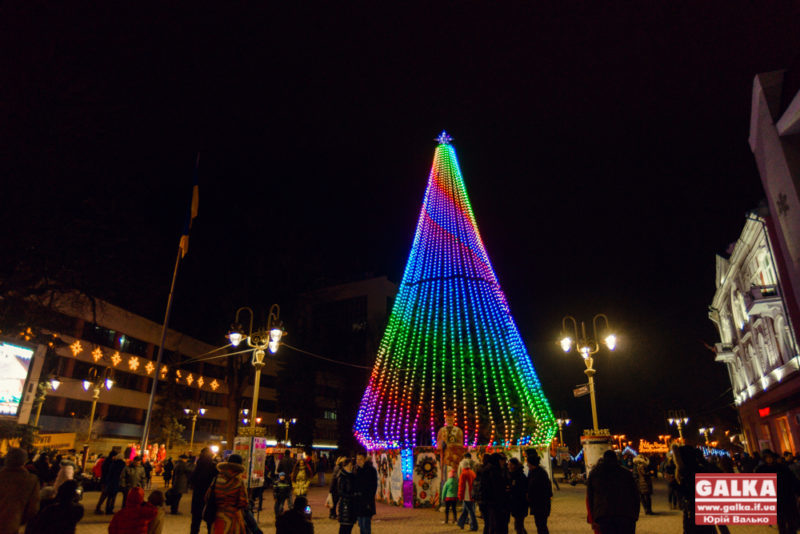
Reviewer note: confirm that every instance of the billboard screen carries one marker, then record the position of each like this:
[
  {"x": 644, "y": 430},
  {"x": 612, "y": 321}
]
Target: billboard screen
[{"x": 15, "y": 363}]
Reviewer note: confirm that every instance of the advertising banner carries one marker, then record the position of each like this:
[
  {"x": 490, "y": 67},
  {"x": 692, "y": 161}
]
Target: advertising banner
[
  {"x": 426, "y": 477},
  {"x": 15, "y": 363},
  {"x": 593, "y": 449},
  {"x": 55, "y": 442},
  {"x": 258, "y": 463}
]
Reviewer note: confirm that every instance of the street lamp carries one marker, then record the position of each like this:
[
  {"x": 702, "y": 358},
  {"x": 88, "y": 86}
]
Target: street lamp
[
  {"x": 193, "y": 414},
  {"x": 562, "y": 420},
  {"x": 587, "y": 347},
  {"x": 96, "y": 381},
  {"x": 707, "y": 431},
  {"x": 679, "y": 419},
  {"x": 286, "y": 423},
  {"x": 43, "y": 388},
  {"x": 619, "y": 438},
  {"x": 268, "y": 338}
]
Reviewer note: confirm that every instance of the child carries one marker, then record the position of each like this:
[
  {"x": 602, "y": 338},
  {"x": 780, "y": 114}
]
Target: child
[
  {"x": 450, "y": 494},
  {"x": 282, "y": 491}
]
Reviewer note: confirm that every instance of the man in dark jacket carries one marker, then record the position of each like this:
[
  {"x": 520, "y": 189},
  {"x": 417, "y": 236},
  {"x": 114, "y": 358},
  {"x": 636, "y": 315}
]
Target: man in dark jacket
[
  {"x": 110, "y": 481},
  {"x": 539, "y": 493},
  {"x": 180, "y": 483},
  {"x": 366, "y": 487},
  {"x": 201, "y": 478},
  {"x": 612, "y": 497},
  {"x": 518, "y": 494}
]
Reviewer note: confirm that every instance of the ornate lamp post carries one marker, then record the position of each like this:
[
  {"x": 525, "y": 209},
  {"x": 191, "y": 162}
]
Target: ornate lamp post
[
  {"x": 96, "y": 381},
  {"x": 707, "y": 431},
  {"x": 286, "y": 423},
  {"x": 268, "y": 338},
  {"x": 619, "y": 438},
  {"x": 572, "y": 337},
  {"x": 562, "y": 420},
  {"x": 679, "y": 419},
  {"x": 193, "y": 414},
  {"x": 43, "y": 388}
]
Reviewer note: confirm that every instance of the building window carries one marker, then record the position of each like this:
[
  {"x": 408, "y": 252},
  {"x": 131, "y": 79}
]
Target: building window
[{"x": 330, "y": 415}]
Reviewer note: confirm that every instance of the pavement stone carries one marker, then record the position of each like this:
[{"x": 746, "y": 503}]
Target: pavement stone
[{"x": 568, "y": 516}]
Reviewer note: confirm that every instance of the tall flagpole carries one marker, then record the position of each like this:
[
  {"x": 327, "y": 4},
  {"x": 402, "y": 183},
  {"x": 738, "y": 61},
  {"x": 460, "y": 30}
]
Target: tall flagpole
[
  {"x": 164, "y": 328},
  {"x": 183, "y": 247}
]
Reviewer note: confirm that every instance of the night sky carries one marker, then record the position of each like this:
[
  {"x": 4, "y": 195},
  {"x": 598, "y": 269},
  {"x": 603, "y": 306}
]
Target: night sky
[{"x": 603, "y": 145}]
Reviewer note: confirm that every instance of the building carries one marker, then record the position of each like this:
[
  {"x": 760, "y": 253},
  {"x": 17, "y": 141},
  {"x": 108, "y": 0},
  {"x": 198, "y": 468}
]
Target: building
[
  {"x": 757, "y": 344},
  {"x": 88, "y": 337},
  {"x": 343, "y": 322}
]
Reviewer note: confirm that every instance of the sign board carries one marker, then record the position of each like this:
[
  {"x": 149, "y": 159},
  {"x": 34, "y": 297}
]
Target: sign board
[
  {"x": 736, "y": 499},
  {"x": 253, "y": 451},
  {"x": 250, "y": 431},
  {"x": 593, "y": 448},
  {"x": 15, "y": 363},
  {"x": 56, "y": 442},
  {"x": 581, "y": 390}
]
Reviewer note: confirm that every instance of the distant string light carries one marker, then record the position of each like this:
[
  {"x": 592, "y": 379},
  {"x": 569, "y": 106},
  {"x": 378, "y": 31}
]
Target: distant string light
[{"x": 451, "y": 344}]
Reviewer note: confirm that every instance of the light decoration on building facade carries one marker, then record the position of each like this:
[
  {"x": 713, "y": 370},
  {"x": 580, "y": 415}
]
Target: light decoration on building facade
[
  {"x": 76, "y": 348},
  {"x": 116, "y": 358},
  {"x": 97, "y": 354},
  {"x": 200, "y": 382},
  {"x": 214, "y": 385},
  {"x": 451, "y": 345},
  {"x": 133, "y": 363},
  {"x": 164, "y": 370},
  {"x": 189, "y": 379},
  {"x": 150, "y": 367}
]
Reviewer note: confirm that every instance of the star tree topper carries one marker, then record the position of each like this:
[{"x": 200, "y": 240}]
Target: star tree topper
[{"x": 443, "y": 138}]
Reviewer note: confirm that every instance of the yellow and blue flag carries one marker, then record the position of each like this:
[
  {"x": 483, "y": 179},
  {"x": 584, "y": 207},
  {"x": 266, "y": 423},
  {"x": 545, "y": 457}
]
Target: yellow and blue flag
[{"x": 187, "y": 226}]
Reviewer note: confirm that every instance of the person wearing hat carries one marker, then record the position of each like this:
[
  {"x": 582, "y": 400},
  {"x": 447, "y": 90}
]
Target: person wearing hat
[
  {"x": 19, "y": 492},
  {"x": 180, "y": 483},
  {"x": 230, "y": 497},
  {"x": 612, "y": 498},
  {"x": 539, "y": 493}
]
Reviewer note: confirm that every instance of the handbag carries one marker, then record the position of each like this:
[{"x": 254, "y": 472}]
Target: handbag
[
  {"x": 210, "y": 508},
  {"x": 329, "y": 501}
]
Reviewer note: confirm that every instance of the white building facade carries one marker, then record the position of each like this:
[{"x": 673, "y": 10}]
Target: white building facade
[{"x": 757, "y": 341}]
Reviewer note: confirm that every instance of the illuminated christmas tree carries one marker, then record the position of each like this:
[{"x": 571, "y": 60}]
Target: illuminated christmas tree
[{"x": 451, "y": 345}]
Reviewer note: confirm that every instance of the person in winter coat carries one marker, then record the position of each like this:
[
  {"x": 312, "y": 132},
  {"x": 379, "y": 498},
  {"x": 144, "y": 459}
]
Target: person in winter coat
[
  {"x": 97, "y": 468},
  {"x": 41, "y": 468},
  {"x": 110, "y": 480},
  {"x": 612, "y": 497},
  {"x": 539, "y": 493},
  {"x": 132, "y": 477},
  {"x": 347, "y": 497},
  {"x": 518, "y": 494},
  {"x": 466, "y": 494},
  {"x": 294, "y": 521},
  {"x": 230, "y": 496},
  {"x": 62, "y": 516},
  {"x": 201, "y": 478},
  {"x": 156, "y": 500},
  {"x": 493, "y": 495},
  {"x": 450, "y": 496},
  {"x": 301, "y": 478},
  {"x": 281, "y": 491},
  {"x": 65, "y": 472},
  {"x": 644, "y": 482},
  {"x": 366, "y": 487},
  {"x": 133, "y": 518},
  {"x": 180, "y": 483},
  {"x": 334, "y": 489},
  {"x": 168, "y": 467},
  {"x": 19, "y": 492}
]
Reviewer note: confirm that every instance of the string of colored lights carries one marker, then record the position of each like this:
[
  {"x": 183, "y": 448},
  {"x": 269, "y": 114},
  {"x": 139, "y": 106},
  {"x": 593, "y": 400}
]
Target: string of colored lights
[{"x": 451, "y": 344}]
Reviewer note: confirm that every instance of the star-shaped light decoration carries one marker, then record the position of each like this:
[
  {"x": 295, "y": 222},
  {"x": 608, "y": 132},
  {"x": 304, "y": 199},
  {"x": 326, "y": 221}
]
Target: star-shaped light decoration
[
  {"x": 133, "y": 363},
  {"x": 189, "y": 379},
  {"x": 116, "y": 358},
  {"x": 443, "y": 138},
  {"x": 150, "y": 368},
  {"x": 97, "y": 354},
  {"x": 76, "y": 348},
  {"x": 163, "y": 371},
  {"x": 200, "y": 382},
  {"x": 214, "y": 385}
]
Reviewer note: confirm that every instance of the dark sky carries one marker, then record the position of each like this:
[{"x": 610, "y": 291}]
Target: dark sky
[{"x": 604, "y": 147}]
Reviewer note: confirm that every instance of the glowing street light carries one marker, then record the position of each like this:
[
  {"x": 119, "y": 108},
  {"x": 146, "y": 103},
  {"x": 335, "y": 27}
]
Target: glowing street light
[
  {"x": 707, "y": 431},
  {"x": 679, "y": 419},
  {"x": 587, "y": 348},
  {"x": 43, "y": 388},
  {"x": 193, "y": 414},
  {"x": 286, "y": 423},
  {"x": 562, "y": 420}
]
